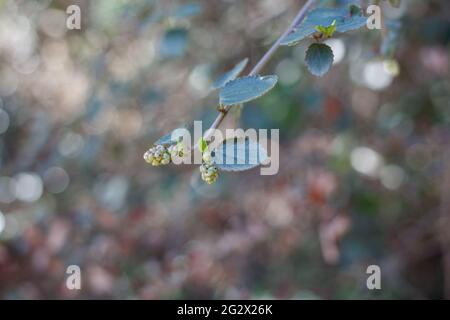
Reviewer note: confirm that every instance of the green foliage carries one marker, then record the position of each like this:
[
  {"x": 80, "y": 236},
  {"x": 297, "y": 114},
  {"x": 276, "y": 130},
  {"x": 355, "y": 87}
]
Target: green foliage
[
  {"x": 319, "y": 58},
  {"x": 71, "y": 165},
  {"x": 239, "y": 154},
  {"x": 327, "y": 31},
  {"x": 230, "y": 75},
  {"x": 351, "y": 23},
  {"x": 174, "y": 43},
  {"x": 347, "y": 19},
  {"x": 170, "y": 138},
  {"x": 355, "y": 10},
  {"x": 243, "y": 154},
  {"x": 323, "y": 23},
  {"x": 246, "y": 89},
  {"x": 202, "y": 145}
]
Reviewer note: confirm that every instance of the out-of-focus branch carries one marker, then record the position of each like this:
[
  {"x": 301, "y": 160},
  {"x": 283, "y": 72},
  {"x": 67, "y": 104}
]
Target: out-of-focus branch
[{"x": 444, "y": 224}]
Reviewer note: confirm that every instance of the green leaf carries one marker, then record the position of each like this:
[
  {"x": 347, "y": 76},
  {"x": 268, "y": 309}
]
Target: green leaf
[
  {"x": 319, "y": 58},
  {"x": 327, "y": 31},
  {"x": 202, "y": 145},
  {"x": 230, "y": 75},
  {"x": 239, "y": 154},
  {"x": 174, "y": 43},
  {"x": 355, "y": 10},
  {"x": 351, "y": 23},
  {"x": 346, "y": 19},
  {"x": 172, "y": 137},
  {"x": 316, "y": 17},
  {"x": 246, "y": 89}
]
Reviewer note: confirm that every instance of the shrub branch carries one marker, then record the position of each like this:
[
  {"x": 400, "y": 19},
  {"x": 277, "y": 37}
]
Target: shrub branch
[{"x": 262, "y": 62}]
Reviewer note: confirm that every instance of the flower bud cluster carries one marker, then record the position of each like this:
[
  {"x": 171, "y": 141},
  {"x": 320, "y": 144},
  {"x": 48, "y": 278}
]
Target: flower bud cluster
[
  {"x": 208, "y": 169},
  {"x": 157, "y": 156}
]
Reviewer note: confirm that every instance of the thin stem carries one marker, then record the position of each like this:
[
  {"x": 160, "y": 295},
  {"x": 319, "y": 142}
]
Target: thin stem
[
  {"x": 298, "y": 18},
  {"x": 262, "y": 62}
]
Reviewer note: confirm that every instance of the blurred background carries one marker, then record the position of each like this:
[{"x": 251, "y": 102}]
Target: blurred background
[{"x": 365, "y": 165}]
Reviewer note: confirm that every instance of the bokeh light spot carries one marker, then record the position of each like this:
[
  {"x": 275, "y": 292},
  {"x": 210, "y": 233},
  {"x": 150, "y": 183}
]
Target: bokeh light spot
[
  {"x": 56, "y": 180},
  {"x": 288, "y": 72},
  {"x": 28, "y": 187},
  {"x": 338, "y": 47},
  {"x": 2, "y": 222},
  {"x": 4, "y": 121},
  {"x": 71, "y": 145},
  {"x": 7, "y": 190},
  {"x": 366, "y": 161},
  {"x": 392, "y": 177},
  {"x": 376, "y": 77}
]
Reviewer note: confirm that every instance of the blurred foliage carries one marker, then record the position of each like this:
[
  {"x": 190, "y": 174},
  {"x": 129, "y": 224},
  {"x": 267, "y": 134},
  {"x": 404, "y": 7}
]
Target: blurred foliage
[{"x": 364, "y": 176}]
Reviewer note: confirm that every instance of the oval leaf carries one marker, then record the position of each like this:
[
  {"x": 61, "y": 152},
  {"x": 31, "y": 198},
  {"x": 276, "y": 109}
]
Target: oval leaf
[
  {"x": 317, "y": 17},
  {"x": 351, "y": 23},
  {"x": 303, "y": 31},
  {"x": 230, "y": 75},
  {"x": 172, "y": 137},
  {"x": 319, "y": 58},
  {"x": 239, "y": 154},
  {"x": 246, "y": 89},
  {"x": 174, "y": 43},
  {"x": 346, "y": 19}
]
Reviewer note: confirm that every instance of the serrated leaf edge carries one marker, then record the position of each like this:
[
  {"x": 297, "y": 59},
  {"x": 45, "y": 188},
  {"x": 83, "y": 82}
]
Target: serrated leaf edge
[
  {"x": 275, "y": 77},
  {"x": 307, "y": 65}
]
